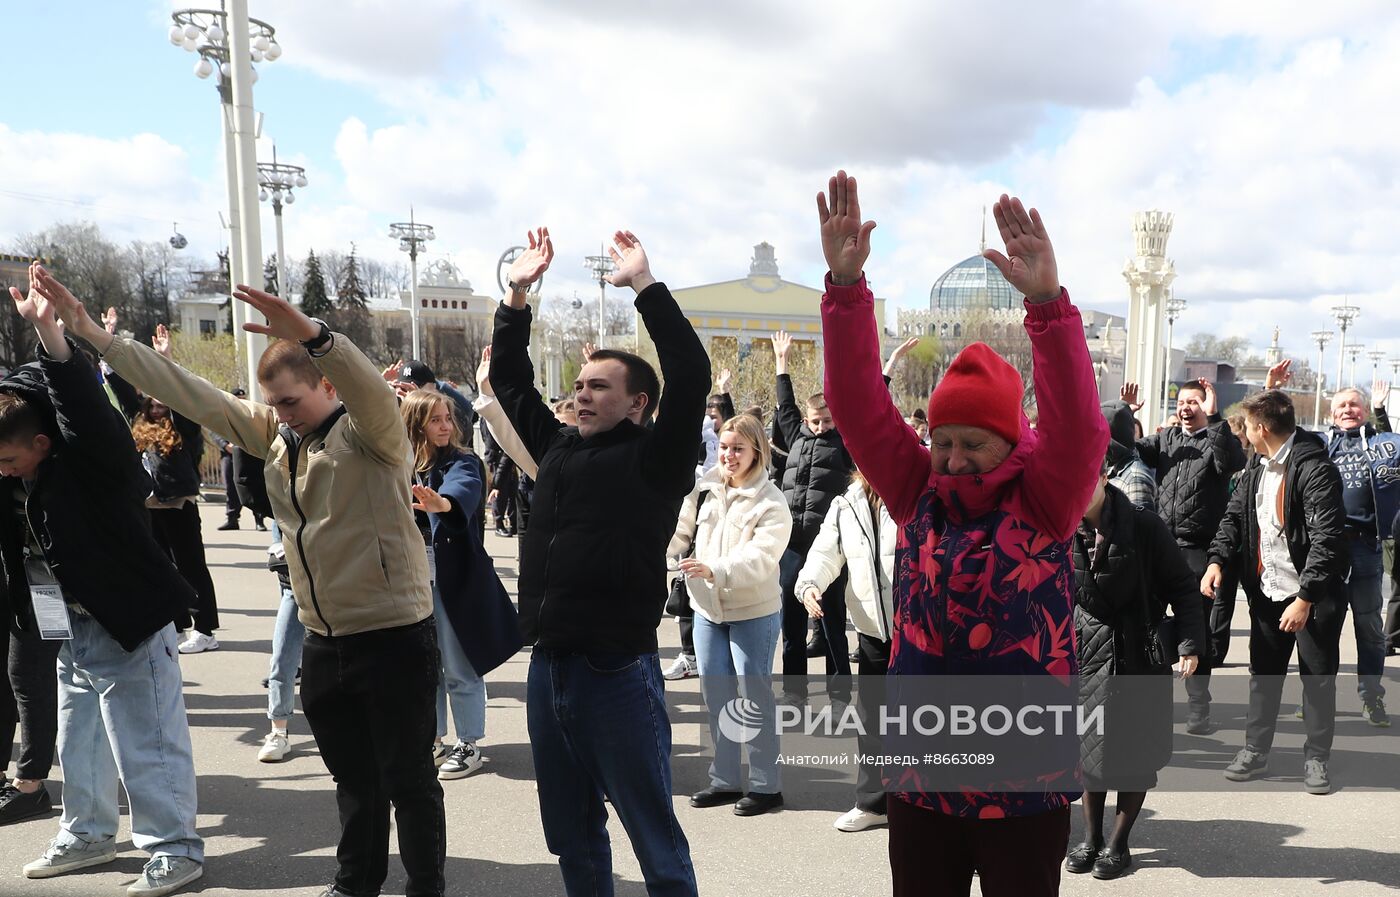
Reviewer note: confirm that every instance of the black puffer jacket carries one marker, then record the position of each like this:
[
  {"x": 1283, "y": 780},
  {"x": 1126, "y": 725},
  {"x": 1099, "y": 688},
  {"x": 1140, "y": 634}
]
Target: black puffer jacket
[
  {"x": 1314, "y": 518},
  {"x": 88, "y": 503},
  {"x": 1193, "y": 477},
  {"x": 1120, "y": 601},
  {"x": 818, "y": 469}
]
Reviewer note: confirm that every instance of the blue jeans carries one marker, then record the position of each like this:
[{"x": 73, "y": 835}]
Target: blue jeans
[
  {"x": 741, "y": 654},
  {"x": 598, "y": 725},
  {"x": 124, "y": 714},
  {"x": 459, "y": 681},
  {"x": 288, "y": 636},
  {"x": 1364, "y": 597}
]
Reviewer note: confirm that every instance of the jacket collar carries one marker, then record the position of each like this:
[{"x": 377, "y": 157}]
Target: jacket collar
[{"x": 969, "y": 496}]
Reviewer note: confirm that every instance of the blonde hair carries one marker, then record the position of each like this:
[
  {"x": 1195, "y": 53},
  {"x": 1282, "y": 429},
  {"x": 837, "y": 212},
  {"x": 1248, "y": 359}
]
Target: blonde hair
[
  {"x": 870, "y": 494},
  {"x": 751, "y": 431},
  {"x": 417, "y": 408}
]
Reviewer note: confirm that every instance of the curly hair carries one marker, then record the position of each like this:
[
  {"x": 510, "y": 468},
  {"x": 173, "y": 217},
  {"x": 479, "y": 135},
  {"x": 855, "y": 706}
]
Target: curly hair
[{"x": 157, "y": 433}]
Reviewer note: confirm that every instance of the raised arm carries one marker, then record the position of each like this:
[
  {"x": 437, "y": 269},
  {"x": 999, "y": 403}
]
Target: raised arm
[
  {"x": 498, "y": 426},
  {"x": 669, "y": 462},
  {"x": 788, "y": 417},
  {"x": 1072, "y": 434},
  {"x": 511, "y": 373},
  {"x": 882, "y": 445}
]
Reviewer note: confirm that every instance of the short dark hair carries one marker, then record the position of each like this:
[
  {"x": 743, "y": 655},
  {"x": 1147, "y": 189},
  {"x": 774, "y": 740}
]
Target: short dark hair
[
  {"x": 18, "y": 418},
  {"x": 1192, "y": 384},
  {"x": 1273, "y": 409},
  {"x": 288, "y": 355},
  {"x": 641, "y": 376}
]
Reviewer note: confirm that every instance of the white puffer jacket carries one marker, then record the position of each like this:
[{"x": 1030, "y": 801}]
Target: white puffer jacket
[
  {"x": 741, "y": 535},
  {"x": 848, "y": 536}
]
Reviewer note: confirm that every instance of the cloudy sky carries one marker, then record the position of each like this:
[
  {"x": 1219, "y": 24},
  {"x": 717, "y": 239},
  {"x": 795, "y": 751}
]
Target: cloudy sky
[{"x": 1269, "y": 129}]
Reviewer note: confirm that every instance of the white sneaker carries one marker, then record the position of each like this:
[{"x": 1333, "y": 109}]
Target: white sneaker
[
  {"x": 681, "y": 668},
  {"x": 275, "y": 747},
  {"x": 464, "y": 760},
  {"x": 61, "y": 858},
  {"x": 165, "y": 875},
  {"x": 858, "y": 820},
  {"x": 198, "y": 643}
]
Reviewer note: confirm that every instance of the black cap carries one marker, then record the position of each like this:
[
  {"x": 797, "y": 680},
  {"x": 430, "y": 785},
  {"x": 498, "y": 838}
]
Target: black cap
[{"x": 417, "y": 373}]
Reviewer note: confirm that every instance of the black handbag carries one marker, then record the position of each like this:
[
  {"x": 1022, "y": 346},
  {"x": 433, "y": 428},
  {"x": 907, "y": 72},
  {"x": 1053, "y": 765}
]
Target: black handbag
[{"x": 678, "y": 600}]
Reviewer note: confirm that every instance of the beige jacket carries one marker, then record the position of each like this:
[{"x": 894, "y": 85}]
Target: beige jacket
[
  {"x": 741, "y": 535},
  {"x": 504, "y": 433},
  {"x": 354, "y": 554}
]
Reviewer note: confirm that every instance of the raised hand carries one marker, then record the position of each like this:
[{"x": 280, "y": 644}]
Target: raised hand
[
  {"x": 391, "y": 373},
  {"x": 1279, "y": 375},
  {"x": 161, "y": 341},
  {"x": 845, "y": 237},
  {"x": 633, "y": 268},
  {"x": 483, "y": 373},
  {"x": 722, "y": 384},
  {"x": 109, "y": 320},
  {"x": 425, "y": 499},
  {"x": 39, "y": 309},
  {"x": 284, "y": 320},
  {"x": 69, "y": 309},
  {"x": 782, "y": 344},
  {"x": 1029, "y": 263},
  {"x": 1380, "y": 392},
  {"x": 588, "y": 350},
  {"x": 898, "y": 353},
  {"x": 531, "y": 264},
  {"x": 1129, "y": 394},
  {"x": 1211, "y": 400}
]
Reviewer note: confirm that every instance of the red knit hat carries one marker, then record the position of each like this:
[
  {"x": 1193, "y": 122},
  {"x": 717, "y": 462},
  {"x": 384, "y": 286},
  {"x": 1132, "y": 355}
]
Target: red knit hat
[{"x": 979, "y": 389}]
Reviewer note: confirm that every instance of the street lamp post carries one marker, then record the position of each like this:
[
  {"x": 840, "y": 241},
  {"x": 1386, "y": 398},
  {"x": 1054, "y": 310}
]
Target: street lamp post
[
  {"x": 275, "y": 182},
  {"x": 1174, "y": 308},
  {"x": 413, "y": 236},
  {"x": 601, "y": 265},
  {"x": 1322, "y": 338},
  {"x": 1376, "y": 356},
  {"x": 1345, "y": 314},
  {"x": 1354, "y": 352},
  {"x": 223, "y": 38}
]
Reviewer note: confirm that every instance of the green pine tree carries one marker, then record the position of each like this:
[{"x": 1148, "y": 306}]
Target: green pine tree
[
  {"x": 314, "y": 301},
  {"x": 352, "y": 308}
]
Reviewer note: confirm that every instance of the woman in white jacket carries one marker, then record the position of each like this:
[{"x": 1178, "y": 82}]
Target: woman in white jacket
[
  {"x": 738, "y": 524},
  {"x": 859, "y": 534}
]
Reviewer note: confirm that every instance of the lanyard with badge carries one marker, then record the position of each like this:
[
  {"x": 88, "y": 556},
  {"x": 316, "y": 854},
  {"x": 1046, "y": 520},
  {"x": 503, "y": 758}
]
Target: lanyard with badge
[{"x": 50, "y": 610}]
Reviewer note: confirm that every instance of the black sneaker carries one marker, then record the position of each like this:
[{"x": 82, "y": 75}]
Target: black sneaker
[
  {"x": 16, "y": 806},
  {"x": 1373, "y": 712},
  {"x": 228, "y": 525},
  {"x": 758, "y": 804},
  {"x": 1315, "y": 778},
  {"x": 1199, "y": 724},
  {"x": 1111, "y": 864},
  {"x": 714, "y": 797},
  {"x": 1081, "y": 859},
  {"x": 1248, "y": 764}
]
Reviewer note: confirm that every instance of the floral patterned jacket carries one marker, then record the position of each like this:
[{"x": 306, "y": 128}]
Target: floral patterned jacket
[{"x": 984, "y": 580}]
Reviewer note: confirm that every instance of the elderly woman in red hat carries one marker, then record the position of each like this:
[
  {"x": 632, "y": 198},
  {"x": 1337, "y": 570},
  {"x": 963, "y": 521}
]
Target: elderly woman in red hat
[{"x": 984, "y": 575}]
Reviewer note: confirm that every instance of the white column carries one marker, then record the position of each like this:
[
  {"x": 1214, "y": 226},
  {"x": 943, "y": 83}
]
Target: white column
[
  {"x": 413, "y": 310},
  {"x": 1149, "y": 273},
  {"x": 235, "y": 258},
  {"x": 281, "y": 255},
  {"x": 246, "y": 170}
]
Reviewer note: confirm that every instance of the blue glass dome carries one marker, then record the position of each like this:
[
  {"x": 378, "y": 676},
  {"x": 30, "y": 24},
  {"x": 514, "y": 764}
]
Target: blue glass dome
[{"x": 973, "y": 283}]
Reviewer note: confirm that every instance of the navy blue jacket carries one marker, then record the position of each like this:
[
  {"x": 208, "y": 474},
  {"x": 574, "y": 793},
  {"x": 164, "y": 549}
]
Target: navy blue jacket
[
  {"x": 478, "y": 608},
  {"x": 1383, "y": 464}
]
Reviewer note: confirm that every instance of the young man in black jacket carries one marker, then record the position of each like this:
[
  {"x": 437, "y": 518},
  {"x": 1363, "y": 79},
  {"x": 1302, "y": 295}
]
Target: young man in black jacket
[
  {"x": 1286, "y": 523},
  {"x": 80, "y": 565},
  {"x": 1193, "y": 463},
  {"x": 593, "y": 575},
  {"x": 818, "y": 469}
]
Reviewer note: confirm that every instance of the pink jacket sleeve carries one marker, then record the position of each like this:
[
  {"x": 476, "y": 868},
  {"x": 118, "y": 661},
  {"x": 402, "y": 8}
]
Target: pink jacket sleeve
[
  {"x": 884, "y": 447},
  {"x": 1072, "y": 435}
]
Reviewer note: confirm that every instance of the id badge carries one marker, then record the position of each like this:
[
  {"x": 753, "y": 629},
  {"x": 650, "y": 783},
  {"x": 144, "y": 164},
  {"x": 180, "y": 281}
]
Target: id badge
[
  {"x": 432, "y": 565},
  {"x": 50, "y": 613}
]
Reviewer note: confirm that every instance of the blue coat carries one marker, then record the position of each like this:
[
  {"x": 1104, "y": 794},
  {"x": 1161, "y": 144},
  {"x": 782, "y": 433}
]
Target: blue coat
[
  {"x": 478, "y": 608},
  {"x": 1383, "y": 458}
]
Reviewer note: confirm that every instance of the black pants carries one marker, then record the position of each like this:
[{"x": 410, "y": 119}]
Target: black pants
[
  {"x": 505, "y": 507},
  {"x": 934, "y": 853},
  {"x": 795, "y": 617},
  {"x": 231, "y": 502},
  {"x": 687, "y": 625},
  {"x": 1222, "y": 612},
  {"x": 370, "y": 700},
  {"x": 1392, "y": 614},
  {"x": 1319, "y": 656},
  {"x": 178, "y": 532},
  {"x": 29, "y": 698},
  {"x": 1198, "y": 686},
  {"x": 873, "y": 660}
]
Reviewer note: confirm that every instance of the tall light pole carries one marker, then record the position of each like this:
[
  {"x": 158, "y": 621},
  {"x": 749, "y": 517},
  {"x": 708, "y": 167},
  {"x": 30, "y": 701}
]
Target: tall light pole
[
  {"x": 1174, "y": 308},
  {"x": 1345, "y": 314},
  {"x": 601, "y": 265},
  {"x": 228, "y": 43},
  {"x": 275, "y": 182},
  {"x": 1322, "y": 338},
  {"x": 1354, "y": 352},
  {"x": 413, "y": 236},
  {"x": 1376, "y": 356}
]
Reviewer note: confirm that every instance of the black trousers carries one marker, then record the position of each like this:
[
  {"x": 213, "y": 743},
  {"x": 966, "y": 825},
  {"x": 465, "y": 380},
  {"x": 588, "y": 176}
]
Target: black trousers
[
  {"x": 231, "y": 502},
  {"x": 1392, "y": 614},
  {"x": 1222, "y": 611},
  {"x": 795, "y": 617},
  {"x": 370, "y": 699},
  {"x": 872, "y": 663},
  {"x": 1319, "y": 656},
  {"x": 1198, "y": 686},
  {"x": 1018, "y": 856},
  {"x": 29, "y": 700},
  {"x": 178, "y": 532},
  {"x": 687, "y": 625}
]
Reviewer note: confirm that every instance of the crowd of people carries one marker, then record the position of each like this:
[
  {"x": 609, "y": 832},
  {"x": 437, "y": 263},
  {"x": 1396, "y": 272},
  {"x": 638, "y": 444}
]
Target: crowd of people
[{"x": 958, "y": 539}]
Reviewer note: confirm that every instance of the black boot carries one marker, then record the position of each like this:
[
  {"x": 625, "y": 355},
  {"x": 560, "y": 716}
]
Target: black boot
[{"x": 231, "y": 523}]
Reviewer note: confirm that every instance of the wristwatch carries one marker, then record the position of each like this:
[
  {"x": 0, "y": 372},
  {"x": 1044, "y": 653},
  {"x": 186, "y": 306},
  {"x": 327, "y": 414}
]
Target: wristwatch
[
  {"x": 319, "y": 340},
  {"x": 517, "y": 288}
]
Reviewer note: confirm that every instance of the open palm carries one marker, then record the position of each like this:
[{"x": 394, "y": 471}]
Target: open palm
[
  {"x": 531, "y": 264},
  {"x": 34, "y": 307},
  {"x": 1029, "y": 262},
  {"x": 845, "y": 238}
]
